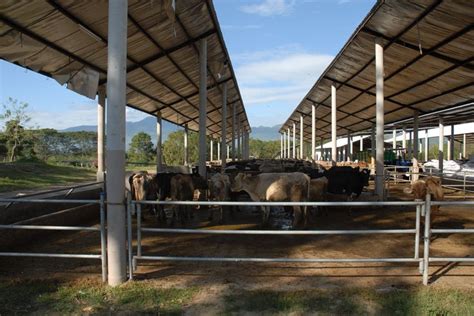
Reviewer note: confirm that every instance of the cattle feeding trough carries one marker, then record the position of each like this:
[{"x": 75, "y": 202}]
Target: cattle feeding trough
[{"x": 423, "y": 209}]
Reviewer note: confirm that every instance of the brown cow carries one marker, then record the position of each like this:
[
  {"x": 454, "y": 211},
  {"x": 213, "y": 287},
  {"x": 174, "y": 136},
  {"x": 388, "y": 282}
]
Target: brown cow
[
  {"x": 219, "y": 189},
  {"x": 318, "y": 189},
  {"x": 276, "y": 187},
  {"x": 182, "y": 189},
  {"x": 431, "y": 186}
]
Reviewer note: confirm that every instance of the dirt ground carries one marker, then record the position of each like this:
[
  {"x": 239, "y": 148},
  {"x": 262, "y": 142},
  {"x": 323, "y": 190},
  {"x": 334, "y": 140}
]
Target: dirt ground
[{"x": 218, "y": 277}]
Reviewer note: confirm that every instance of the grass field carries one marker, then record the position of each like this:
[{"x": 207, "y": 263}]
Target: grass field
[
  {"x": 34, "y": 175},
  {"x": 49, "y": 296}
]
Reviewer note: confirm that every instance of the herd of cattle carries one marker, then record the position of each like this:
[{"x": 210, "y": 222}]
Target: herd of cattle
[{"x": 268, "y": 180}]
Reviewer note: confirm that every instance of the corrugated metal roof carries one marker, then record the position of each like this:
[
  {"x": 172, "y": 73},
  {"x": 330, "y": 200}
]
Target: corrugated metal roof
[
  {"x": 61, "y": 38},
  {"x": 428, "y": 63}
]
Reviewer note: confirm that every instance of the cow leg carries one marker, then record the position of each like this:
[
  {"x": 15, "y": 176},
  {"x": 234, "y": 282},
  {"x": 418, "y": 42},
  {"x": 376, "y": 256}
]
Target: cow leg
[
  {"x": 265, "y": 215},
  {"x": 296, "y": 215}
]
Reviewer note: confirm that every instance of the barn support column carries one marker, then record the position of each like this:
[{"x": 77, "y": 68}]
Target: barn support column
[
  {"x": 313, "y": 132},
  {"x": 410, "y": 146},
  {"x": 234, "y": 132},
  {"x": 239, "y": 143},
  {"x": 394, "y": 141},
  {"x": 301, "y": 137},
  {"x": 101, "y": 134},
  {"x": 218, "y": 150},
  {"x": 202, "y": 106},
  {"x": 211, "y": 150},
  {"x": 159, "y": 153},
  {"x": 464, "y": 145},
  {"x": 361, "y": 143},
  {"x": 415, "y": 148},
  {"x": 289, "y": 144},
  {"x": 322, "y": 148},
  {"x": 372, "y": 150},
  {"x": 349, "y": 147},
  {"x": 426, "y": 146},
  {"x": 333, "y": 125},
  {"x": 186, "y": 150},
  {"x": 224, "y": 152},
  {"x": 379, "y": 97},
  {"x": 404, "y": 141},
  {"x": 294, "y": 140},
  {"x": 451, "y": 156},
  {"x": 440, "y": 147},
  {"x": 282, "y": 142},
  {"x": 115, "y": 184}
]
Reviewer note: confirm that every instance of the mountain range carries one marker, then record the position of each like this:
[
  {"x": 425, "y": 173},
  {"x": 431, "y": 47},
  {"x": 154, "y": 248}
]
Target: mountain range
[{"x": 148, "y": 125}]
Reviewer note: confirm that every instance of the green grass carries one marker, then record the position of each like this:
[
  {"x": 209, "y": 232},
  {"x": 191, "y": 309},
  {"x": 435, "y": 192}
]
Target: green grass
[
  {"x": 41, "y": 297},
  {"x": 145, "y": 297},
  {"x": 33, "y": 175},
  {"x": 415, "y": 301}
]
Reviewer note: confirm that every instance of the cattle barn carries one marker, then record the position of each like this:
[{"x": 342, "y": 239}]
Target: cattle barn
[{"x": 407, "y": 67}]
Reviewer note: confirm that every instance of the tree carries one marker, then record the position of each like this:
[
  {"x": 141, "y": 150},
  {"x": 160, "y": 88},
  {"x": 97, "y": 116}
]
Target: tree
[
  {"x": 173, "y": 148},
  {"x": 264, "y": 149},
  {"x": 15, "y": 116},
  {"x": 141, "y": 148}
]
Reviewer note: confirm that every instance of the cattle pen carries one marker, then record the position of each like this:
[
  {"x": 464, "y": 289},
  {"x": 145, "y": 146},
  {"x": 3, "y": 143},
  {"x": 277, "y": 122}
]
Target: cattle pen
[{"x": 407, "y": 67}]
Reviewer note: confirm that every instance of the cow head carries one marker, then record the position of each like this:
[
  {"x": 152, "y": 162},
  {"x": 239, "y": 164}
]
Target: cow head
[
  {"x": 365, "y": 177},
  {"x": 138, "y": 186},
  {"x": 237, "y": 184}
]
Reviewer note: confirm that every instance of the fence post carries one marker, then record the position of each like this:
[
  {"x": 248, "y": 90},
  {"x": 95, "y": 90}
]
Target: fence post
[
  {"x": 103, "y": 238},
  {"x": 139, "y": 234},
  {"x": 417, "y": 234},
  {"x": 426, "y": 247},
  {"x": 129, "y": 236}
]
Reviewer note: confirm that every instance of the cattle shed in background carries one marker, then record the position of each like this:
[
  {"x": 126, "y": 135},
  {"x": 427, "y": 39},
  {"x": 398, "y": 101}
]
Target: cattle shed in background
[
  {"x": 415, "y": 58},
  {"x": 165, "y": 58}
]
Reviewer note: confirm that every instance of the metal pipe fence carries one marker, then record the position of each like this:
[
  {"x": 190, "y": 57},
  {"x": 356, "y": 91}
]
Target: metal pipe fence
[
  {"x": 101, "y": 229},
  {"x": 133, "y": 258}
]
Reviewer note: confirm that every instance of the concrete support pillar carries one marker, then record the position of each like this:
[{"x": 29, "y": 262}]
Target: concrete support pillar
[
  {"x": 211, "y": 150},
  {"x": 333, "y": 125},
  {"x": 281, "y": 146},
  {"x": 115, "y": 184},
  {"x": 372, "y": 150},
  {"x": 410, "y": 147},
  {"x": 239, "y": 139},
  {"x": 186, "y": 150},
  {"x": 301, "y": 136},
  {"x": 228, "y": 150},
  {"x": 426, "y": 146},
  {"x": 349, "y": 147},
  {"x": 464, "y": 145},
  {"x": 322, "y": 148},
  {"x": 283, "y": 137},
  {"x": 394, "y": 140},
  {"x": 294, "y": 140},
  {"x": 415, "y": 148},
  {"x": 234, "y": 132},
  {"x": 159, "y": 153},
  {"x": 224, "y": 152},
  {"x": 448, "y": 149},
  {"x": 202, "y": 106},
  {"x": 313, "y": 132},
  {"x": 101, "y": 135},
  {"x": 289, "y": 144},
  {"x": 440, "y": 147},
  {"x": 379, "y": 97},
  {"x": 361, "y": 143},
  {"x": 218, "y": 150},
  {"x": 404, "y": 141},
  {"x": 451, "y": 147}
]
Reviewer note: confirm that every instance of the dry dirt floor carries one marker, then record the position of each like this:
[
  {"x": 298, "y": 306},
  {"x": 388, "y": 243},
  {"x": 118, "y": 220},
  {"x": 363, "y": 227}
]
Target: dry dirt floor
[{"x": 217, "y": 277}]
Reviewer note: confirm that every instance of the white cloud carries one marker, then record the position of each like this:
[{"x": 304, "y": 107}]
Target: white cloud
[
  {"x": 74, "y": 115},
  {"x": 299, "y": 67},
  {"x": 241, "y": 27},
  {"x": 270, "y": 7}
]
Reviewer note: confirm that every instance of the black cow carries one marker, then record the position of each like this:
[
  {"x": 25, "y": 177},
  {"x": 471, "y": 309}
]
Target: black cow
[{"x": 347, "y": 180}]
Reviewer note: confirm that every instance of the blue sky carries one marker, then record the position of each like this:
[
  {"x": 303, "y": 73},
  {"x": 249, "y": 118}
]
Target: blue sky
[{"x": 278, "y": 49}]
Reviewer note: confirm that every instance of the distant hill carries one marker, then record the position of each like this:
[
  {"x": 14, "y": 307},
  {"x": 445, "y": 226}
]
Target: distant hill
[
  {"x": 266, "y": 133},
  {"x": 148, "y": 125}
]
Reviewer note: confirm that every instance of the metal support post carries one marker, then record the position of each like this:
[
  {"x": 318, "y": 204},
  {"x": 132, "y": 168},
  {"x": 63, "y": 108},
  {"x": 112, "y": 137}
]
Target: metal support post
[
  {"x": 427, "y": 235},
  {"x": 101, "y": 134},
  {"x": 159, "y": 153},
  {"x": 202, "y": 106},
  {"x": 440, "y": 147},
  {"x": 313, "y": 132},
  {"x": 333, "y": 125},
  {"x": 294, "y": 140},
  {"x": 301, "y": 137},
  {"x": 224, "y": 153},
  {"x": 186, "y": 150}
]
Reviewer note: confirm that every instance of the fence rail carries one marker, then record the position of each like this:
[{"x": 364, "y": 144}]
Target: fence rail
[{"x": 101, "y": 229}]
